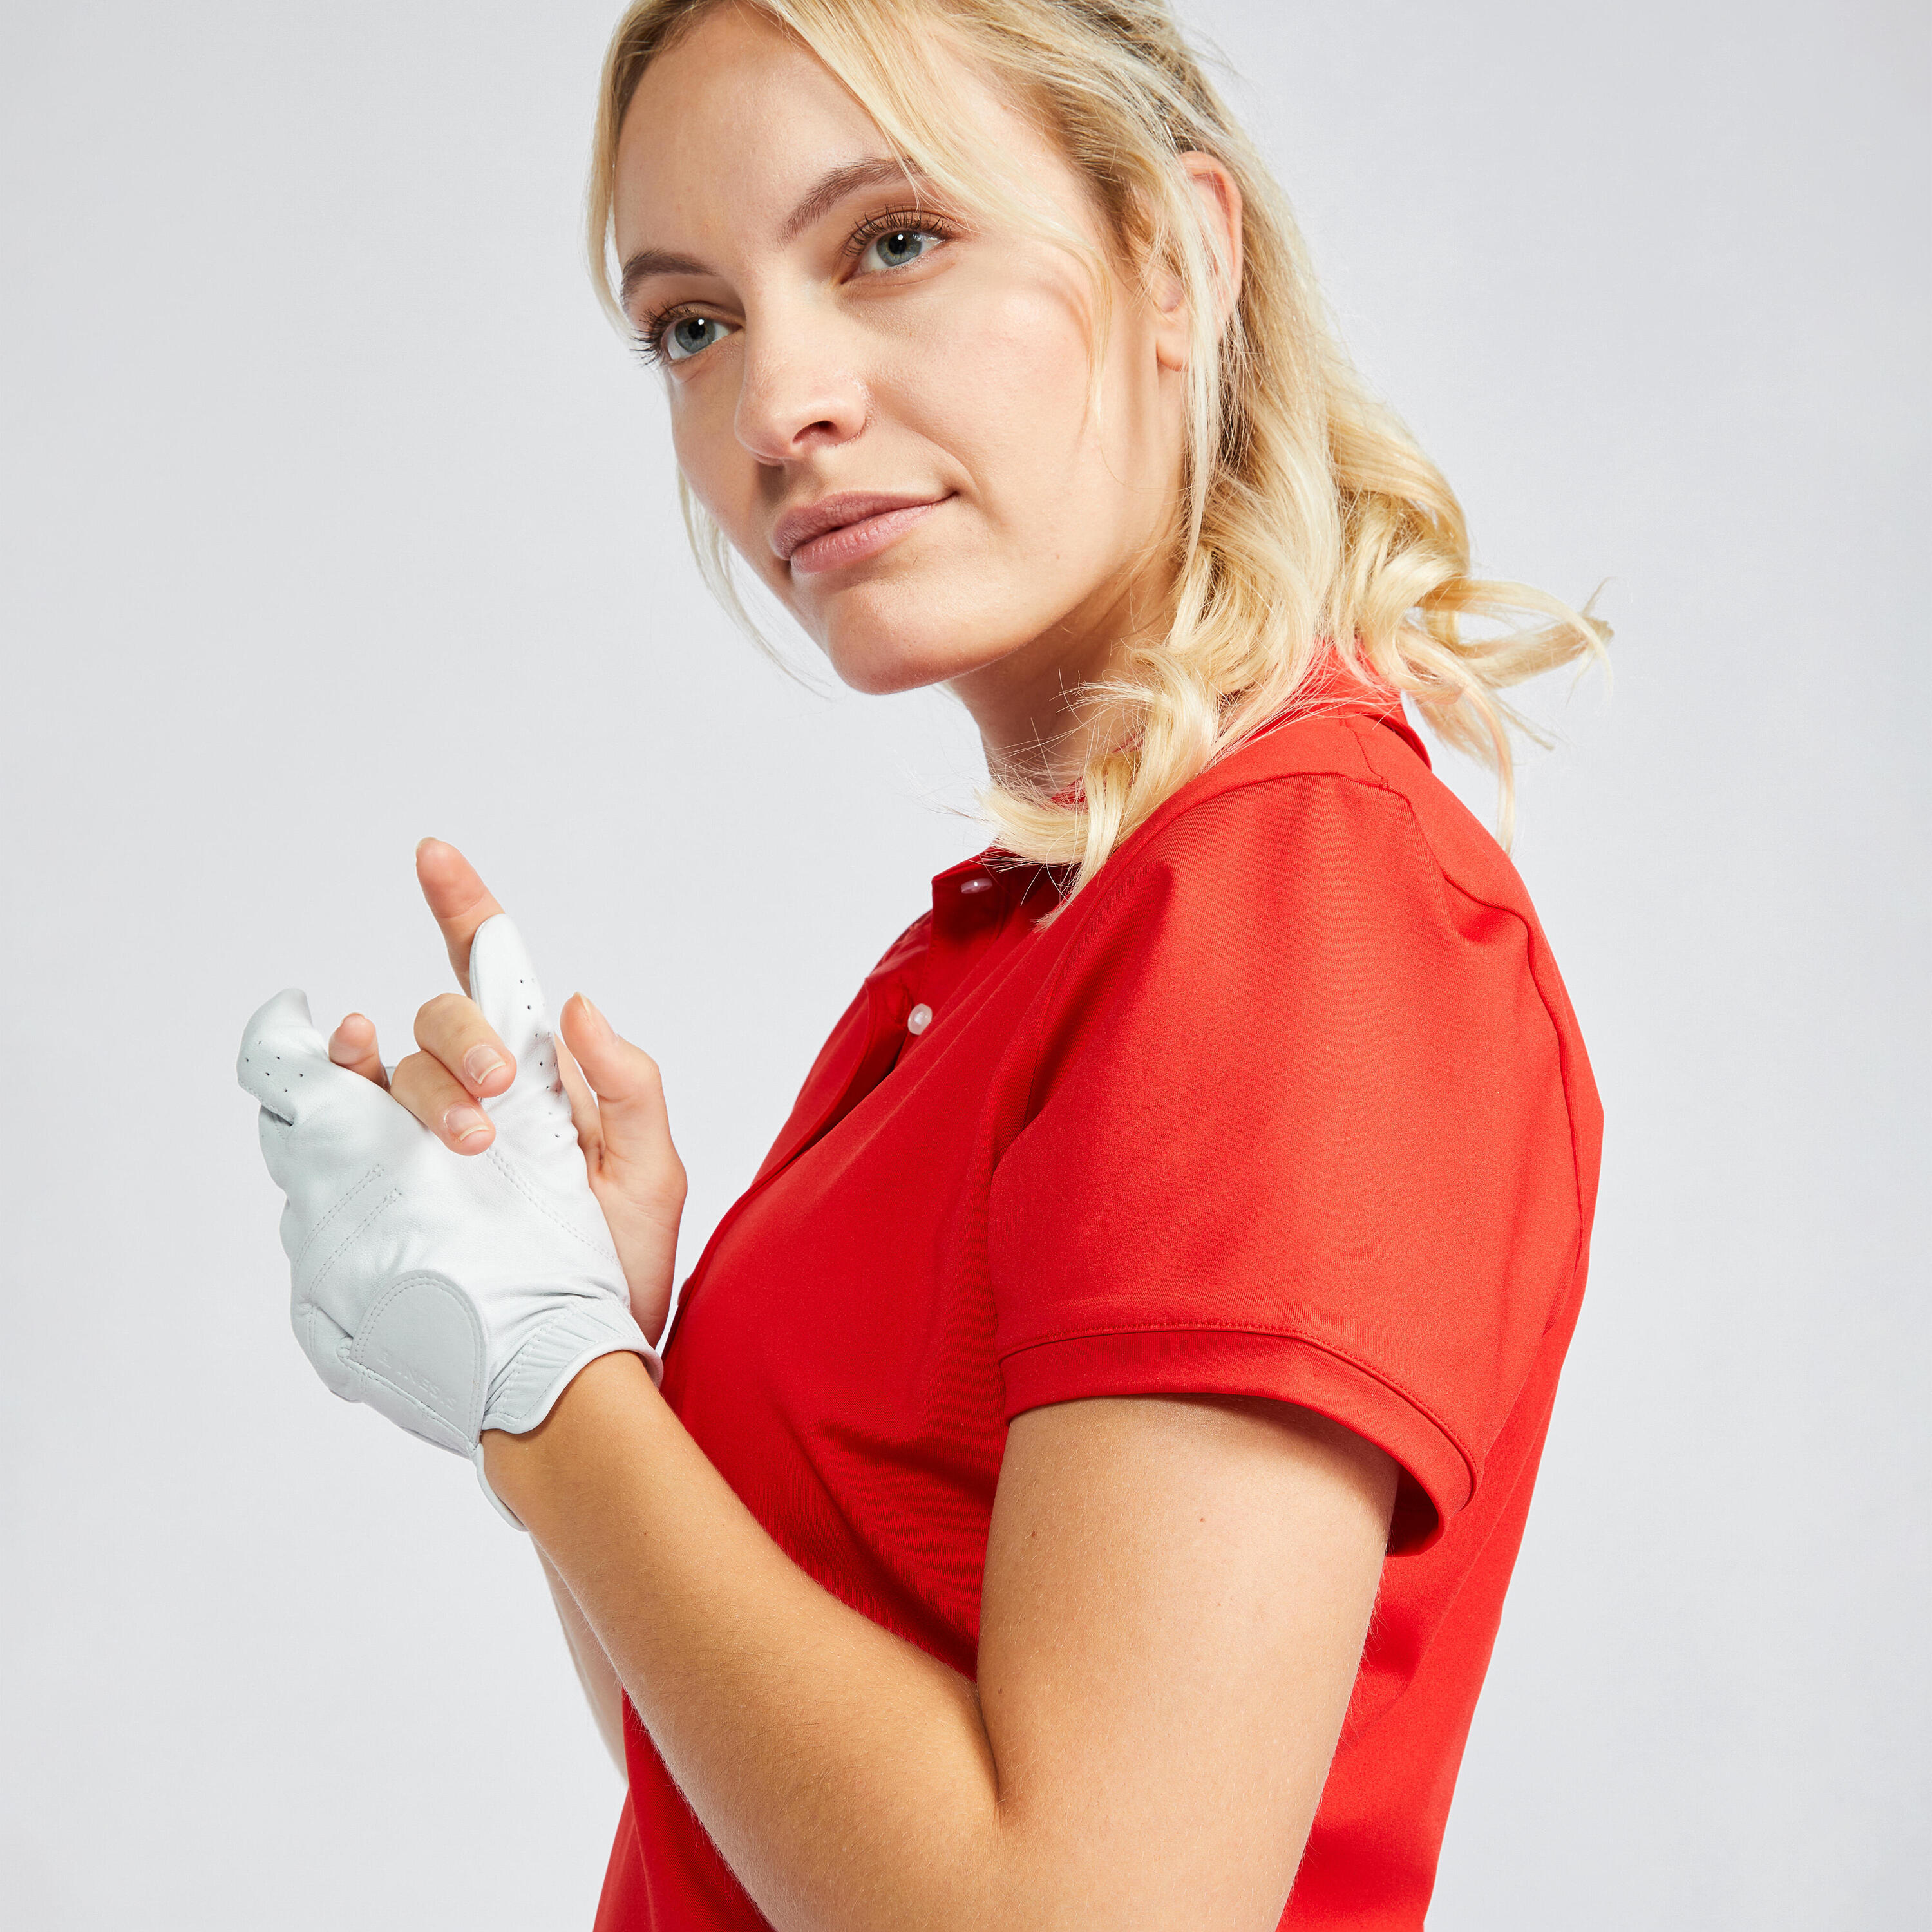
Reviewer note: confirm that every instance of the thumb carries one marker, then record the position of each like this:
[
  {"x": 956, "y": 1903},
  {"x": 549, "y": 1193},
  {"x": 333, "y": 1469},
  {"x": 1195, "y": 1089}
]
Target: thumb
[{"x": 633, "y": 1121}]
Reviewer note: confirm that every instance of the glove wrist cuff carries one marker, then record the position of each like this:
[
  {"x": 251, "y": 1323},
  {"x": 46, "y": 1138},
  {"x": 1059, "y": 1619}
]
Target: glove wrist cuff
[{"x": 527, "y": 1389}]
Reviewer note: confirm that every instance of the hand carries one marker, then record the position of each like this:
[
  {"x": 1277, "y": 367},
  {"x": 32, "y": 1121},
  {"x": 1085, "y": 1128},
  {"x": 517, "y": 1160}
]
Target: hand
[
  {"x": 454, "y": 1295},
  {"x": 616, "y": 1096}
]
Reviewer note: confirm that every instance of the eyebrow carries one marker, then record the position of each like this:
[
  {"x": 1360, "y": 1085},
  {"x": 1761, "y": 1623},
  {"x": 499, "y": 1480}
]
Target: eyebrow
[{"x": 825, "y": 195}]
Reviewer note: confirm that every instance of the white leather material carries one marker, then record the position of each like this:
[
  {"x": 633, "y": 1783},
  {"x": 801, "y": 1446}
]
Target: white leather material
[{"x": 451, "y": 1292}]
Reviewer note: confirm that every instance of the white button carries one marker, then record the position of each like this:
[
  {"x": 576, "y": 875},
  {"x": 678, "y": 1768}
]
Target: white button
[
  {"x": 920, "y": 1018},
  {"x": 976, "y": 885}
]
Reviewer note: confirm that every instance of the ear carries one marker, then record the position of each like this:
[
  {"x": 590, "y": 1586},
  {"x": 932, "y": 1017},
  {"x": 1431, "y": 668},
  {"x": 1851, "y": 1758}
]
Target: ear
[{"x": 1218, "y": 200}]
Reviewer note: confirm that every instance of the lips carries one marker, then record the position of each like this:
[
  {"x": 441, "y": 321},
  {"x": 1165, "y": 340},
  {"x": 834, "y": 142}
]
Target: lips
[{"x": 841, "y": 530}]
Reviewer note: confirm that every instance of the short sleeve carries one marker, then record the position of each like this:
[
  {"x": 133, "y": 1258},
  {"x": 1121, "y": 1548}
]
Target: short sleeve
[{"x": 1297, "y": 1129}]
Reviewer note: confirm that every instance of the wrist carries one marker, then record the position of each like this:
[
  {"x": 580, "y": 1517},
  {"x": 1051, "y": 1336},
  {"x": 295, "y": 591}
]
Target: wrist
[
  {"x": 596, "y": 1418},
  {"x": 555, "y": 1344}
]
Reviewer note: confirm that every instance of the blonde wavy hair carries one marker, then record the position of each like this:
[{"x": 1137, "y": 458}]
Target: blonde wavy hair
[{"x": 1309, "y": 519}]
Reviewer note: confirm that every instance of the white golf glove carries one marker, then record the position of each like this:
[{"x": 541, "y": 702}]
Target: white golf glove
[{"x": 454, "y": 1293}]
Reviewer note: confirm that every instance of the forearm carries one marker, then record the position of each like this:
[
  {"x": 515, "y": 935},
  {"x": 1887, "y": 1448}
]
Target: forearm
[
  {"x": 601, "y": 1690},
  {"x": 845, "y": 1774}
]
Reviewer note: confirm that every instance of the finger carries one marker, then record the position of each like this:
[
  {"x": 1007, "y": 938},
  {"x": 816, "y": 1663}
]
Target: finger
[
  {"x": 583, "y": 1101},
  {"x": 451, "y": 1028},
  {"x": 634, "y": 1170},
  {"x": 632, "y": 1119},
  {"x": 458, "y": 898},
  {"x": 284, "y": 1064},
  {"x": 440, "y": 1100},
  {"x": 503, "y": 983},
  {"x": 352, "y": 1047}
]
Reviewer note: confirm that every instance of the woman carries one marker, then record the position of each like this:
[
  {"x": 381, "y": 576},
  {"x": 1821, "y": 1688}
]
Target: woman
[{"x": 1160, "y": 1285}]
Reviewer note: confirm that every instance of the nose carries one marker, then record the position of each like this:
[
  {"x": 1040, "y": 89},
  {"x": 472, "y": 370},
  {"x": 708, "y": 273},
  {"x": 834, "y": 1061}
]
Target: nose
[{"x": 796, "y": 394}]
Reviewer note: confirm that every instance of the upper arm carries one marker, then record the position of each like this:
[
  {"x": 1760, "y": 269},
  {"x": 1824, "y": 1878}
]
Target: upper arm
[
  {"x": 1297, "y": 1128},
  {"x": 1176, "y": 1595}
]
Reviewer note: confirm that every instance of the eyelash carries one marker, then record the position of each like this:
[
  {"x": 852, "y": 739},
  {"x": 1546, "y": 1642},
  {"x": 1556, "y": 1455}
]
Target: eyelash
[{"x": 647, "y": 339}]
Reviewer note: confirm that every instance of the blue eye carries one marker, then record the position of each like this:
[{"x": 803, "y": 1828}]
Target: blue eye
[
  {"x": 896, "y": 249},
  {"x": 689, "y": 334}
]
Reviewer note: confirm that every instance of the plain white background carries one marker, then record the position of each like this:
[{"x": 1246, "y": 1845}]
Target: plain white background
[{"x": 333, "y": 515}]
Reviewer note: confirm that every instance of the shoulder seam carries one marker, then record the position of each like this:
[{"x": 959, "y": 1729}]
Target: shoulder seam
[{"x": 1371, "y": 780}]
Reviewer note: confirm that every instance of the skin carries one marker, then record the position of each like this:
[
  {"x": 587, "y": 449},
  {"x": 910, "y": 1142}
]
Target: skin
[
  {"x": 1054, "y": 534},
  {"x": 1176, "y": 1589}
]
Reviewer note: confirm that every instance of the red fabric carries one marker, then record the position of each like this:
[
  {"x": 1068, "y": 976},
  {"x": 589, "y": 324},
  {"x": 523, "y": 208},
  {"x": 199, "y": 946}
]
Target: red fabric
[{"x": 1290, "y": 1102}]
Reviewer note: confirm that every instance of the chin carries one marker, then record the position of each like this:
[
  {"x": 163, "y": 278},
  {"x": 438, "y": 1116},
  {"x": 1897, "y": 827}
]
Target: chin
[
  {"x": 879, "y": 646},
  {"x": 878, "y": 665}
]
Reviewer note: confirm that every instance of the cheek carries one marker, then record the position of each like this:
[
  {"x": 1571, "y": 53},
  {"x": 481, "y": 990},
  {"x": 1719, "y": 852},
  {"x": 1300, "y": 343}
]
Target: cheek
[
  {"x": 721, "y": 473},
  {"x": 1001, "y": 382},
  {"x": 701, "y": 439}
]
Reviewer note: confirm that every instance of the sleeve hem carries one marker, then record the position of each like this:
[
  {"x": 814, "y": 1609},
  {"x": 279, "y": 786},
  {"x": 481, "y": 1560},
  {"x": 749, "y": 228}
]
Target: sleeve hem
[{"x": 1438, "y": 1478}]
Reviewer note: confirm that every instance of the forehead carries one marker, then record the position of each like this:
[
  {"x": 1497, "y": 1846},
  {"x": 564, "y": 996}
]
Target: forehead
[{"x": 736, "y": 118}]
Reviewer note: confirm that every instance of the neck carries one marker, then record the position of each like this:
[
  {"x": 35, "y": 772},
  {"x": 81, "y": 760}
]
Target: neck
[{"x": 1034, "y": 707}]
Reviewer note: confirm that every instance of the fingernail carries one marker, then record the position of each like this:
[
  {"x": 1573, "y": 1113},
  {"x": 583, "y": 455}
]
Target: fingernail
[
  {"x": 465, "y": 1123},
  {"x": 589, "y": 1007},
  {"x": 480, "y": 1063}
]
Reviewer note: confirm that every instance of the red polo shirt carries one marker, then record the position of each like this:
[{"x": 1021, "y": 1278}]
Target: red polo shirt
[{"x": 1289, "y": 1102}]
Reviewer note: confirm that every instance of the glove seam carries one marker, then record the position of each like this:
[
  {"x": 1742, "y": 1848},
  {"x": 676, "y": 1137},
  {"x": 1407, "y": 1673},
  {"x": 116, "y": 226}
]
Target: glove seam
[
  {"x": 397, "y": 1392},
  {"x": 348, "y": 1241},
  {"x": 607, "y": 1252},
  {"x": 374, "y": 1173},
  {"x": 335, "y": 1352}
]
